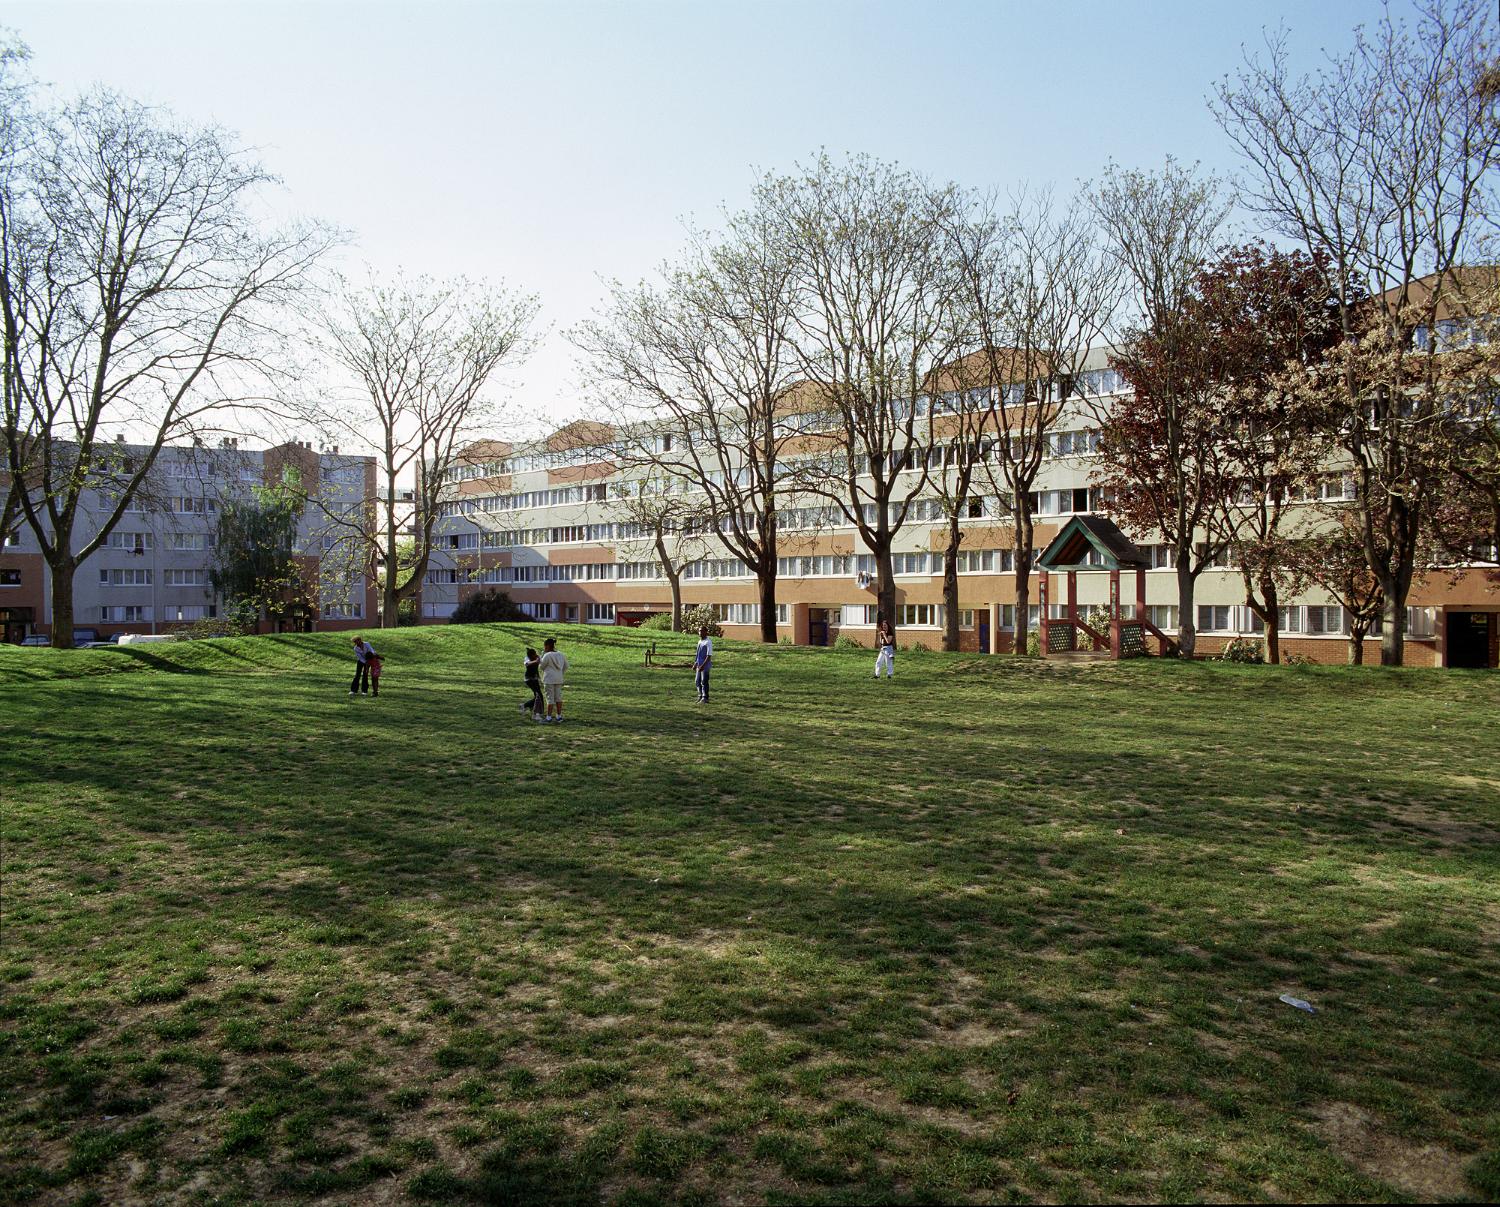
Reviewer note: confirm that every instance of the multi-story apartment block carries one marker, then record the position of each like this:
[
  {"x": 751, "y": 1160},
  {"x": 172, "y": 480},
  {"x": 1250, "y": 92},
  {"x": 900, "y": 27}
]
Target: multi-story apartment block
[
  {"x": 152, "y": 573},
  {"x": 547, "y": 523}
]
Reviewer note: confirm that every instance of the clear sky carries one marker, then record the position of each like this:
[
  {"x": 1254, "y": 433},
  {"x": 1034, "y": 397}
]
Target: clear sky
[{"x": 552, "y": 144}]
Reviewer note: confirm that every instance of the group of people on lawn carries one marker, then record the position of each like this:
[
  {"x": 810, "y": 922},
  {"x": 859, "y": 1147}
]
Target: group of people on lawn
[{"x": 543, "y": 673}]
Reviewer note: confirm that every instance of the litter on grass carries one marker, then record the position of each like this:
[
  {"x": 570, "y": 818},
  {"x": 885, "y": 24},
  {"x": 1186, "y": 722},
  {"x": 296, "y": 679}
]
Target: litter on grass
[{"x": 1298, "y": 1002}]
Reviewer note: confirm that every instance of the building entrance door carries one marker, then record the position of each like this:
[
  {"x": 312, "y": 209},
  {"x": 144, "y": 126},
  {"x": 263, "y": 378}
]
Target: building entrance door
[
  {"x": 817, "y": 626},
  {"x": 1467, "y": 640},
  {"x": 984, "y": 634}
]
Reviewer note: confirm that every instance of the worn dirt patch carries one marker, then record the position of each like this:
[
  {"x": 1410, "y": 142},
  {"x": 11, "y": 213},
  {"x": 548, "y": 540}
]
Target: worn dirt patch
[{"x": 1427, "y": 1171}]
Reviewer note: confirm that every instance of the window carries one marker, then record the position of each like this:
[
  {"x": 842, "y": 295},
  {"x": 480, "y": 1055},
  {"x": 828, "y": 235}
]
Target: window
[
  {"x": 1289, "y": 620},
  {"x": 185, "y": 578},
  {"x": 1421, "y": 622},
  {"x": 134, "y": 542},
  {"x": 976, "y": 561},
  {"x": 188, "y": 542},
  {"x": 918, "y": 615},
  {"x": 125, "y": 578},
  {"x": 188, "y": 612},
  {"x": 736, "y": 613},
  {"x": 352, "y": 609},
  {"x": 974, "y": 508},
  {"x": 1163, "y": 616},
  {"x": 1324, "y": 620},
  {"x": 186, "y": 505},
  {"x": 11, "y": 539},
  {"x": 537, "y": 611},
  {"x": 128, "y": 614},
  {"x": 966, "y": 618},
  {"x": 1214, "y": 618},
  {"x": 10, "y": 578},
  {"x": 909, "y": 563},
  {"x": 601, "y": 613}
]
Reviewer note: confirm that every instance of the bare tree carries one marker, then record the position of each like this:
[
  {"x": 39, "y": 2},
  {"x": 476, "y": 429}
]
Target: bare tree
[
  {"x": 877, "y": 298},
  {"x": 672, "y": 524},
  {"x": 138, "y": 295},
  {"x": 1042, "y": 288},
  {"x": 16, "y": 130},
  {"x": 422, "y": 353},
  {"x": 1382, "y": 165},
  {"x": 701, "y": 368},
  {"x": 1162, "y": 228}
]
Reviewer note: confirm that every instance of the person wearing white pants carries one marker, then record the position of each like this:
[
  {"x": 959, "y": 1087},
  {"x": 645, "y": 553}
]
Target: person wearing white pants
[{"x": 886, "y": 640}]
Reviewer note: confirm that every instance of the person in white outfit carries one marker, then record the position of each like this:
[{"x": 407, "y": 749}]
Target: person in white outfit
[
  {"x": 886, "y": 640},
  {"x": 552, "y": 666}
]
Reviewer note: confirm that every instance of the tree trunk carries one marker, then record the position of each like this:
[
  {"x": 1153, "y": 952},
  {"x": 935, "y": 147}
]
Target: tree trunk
[
  {"x": 674, "y": 580},
  {"x": 62, "y": 602},
  {"x": 1357, "y": 646},
  {"x": 1393, "y": 627},
  {"x": 1025, "y": 539},
  {"x": 1271, "y": 620},
  {"x": 390, "y": 605},
  {"x": 950, "y": 586},
  {"x": 767, "y": 583},
  {"x": 885, "y": 592},
  {"x": 1187, "y": 631}
]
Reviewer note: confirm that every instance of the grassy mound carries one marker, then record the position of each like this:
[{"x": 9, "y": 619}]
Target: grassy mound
[{"x": 987, "y": 931}]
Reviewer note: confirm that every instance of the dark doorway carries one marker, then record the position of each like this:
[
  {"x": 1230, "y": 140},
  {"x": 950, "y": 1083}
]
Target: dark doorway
[
  {"x": 984, "y": 634},
  {"x": 1468, "y": 639},
  {"x": 16, "y": 622},
  {"x": 817, "y": 626}
]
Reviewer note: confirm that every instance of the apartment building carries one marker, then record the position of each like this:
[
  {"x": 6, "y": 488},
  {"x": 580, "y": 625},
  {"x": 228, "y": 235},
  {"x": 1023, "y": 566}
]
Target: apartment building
[
  {"x": 545, "y": 523},
  {"x": 152, "y": 572}
]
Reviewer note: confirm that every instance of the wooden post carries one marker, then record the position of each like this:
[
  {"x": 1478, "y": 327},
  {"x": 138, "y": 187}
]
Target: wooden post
[
  {"x": 1041, "y": 608},
  {"x": 1114, "y": 613}
]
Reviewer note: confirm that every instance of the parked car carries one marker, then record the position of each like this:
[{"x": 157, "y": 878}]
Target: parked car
[
  {"x": 36, "y": 639},
  {"x": 84, "y": 637}
]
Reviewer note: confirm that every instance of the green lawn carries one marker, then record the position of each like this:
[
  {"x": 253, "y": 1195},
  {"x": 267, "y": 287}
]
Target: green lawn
[{"x": 991, "y": 931}]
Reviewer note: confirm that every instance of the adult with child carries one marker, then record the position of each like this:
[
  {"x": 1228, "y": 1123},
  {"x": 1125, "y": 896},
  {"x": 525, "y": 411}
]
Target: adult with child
[
  {"x": 552, "y": 666},
  {"x": 885, "y": 639},
  {"x": 703, "y": 662},
  {"x": 532, "y": 667},
  {"x": 363, "y": 652}
]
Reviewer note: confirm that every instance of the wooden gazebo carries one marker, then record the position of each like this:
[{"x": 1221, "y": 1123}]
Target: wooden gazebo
[{"x": 1091, "y": 545}]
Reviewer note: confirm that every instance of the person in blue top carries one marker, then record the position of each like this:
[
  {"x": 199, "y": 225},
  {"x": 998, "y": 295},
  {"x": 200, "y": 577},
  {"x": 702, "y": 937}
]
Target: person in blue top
[{"x": 703, "y": 662}]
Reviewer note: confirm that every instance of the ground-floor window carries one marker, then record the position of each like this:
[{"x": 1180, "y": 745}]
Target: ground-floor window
[
  {"x": 126, "y": 614},
  {"x": 601, "y": 613},
  {"x": 189, "y": 612},
  {"x": 918, "y": 615}
]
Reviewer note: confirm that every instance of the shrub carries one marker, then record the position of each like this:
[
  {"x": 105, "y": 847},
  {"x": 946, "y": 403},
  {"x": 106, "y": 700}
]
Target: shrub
[
  {"x": 846, "y": 643},
  {"x": 1243, "y": 649},
  {"x": 699, "y": 617},
  {"x": 1033, "y": 644},
  {"x": 660, "y": 623},
  {"x": 485, "y": 607},
  {"x": 217, "y": 626},
  {"x": 1296, "y": 660}
]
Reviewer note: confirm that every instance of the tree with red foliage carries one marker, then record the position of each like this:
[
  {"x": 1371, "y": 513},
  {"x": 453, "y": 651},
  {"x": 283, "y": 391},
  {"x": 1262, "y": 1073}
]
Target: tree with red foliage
[{"x": 1266, "y": 315}]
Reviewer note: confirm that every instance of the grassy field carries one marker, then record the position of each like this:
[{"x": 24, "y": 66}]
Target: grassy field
[{"x": 991, "y": 931}]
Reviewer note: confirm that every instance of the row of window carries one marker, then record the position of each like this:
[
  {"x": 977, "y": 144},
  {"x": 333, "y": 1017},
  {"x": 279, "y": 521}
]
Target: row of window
[{"x": 142, "y": 577}]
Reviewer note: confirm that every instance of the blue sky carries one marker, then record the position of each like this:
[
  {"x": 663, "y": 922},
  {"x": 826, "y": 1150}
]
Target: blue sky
[{"x": 550, "y": 144}]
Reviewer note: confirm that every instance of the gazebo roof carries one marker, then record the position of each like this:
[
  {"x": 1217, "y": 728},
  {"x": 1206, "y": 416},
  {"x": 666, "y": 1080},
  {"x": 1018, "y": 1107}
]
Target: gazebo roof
[{"x": 1069, "y": 549}]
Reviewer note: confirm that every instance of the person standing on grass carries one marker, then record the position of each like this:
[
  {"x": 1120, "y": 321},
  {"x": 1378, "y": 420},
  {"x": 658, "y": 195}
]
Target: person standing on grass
[
  {"x": 552, "y": 665},
  {"x": 536, "y": 706},
  {"x": 374, "y": 662},
  {"x": 886, "y": 641},
  {"x": 703, "y": 662},
  {"x": 363, "y": 652}
]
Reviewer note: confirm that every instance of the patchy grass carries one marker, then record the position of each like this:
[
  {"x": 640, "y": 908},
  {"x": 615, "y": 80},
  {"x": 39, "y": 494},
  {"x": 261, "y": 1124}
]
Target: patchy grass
[{"x": 986, "y": 932}]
